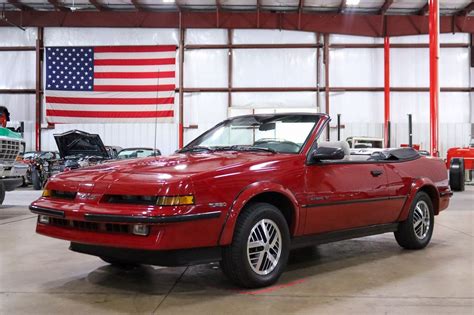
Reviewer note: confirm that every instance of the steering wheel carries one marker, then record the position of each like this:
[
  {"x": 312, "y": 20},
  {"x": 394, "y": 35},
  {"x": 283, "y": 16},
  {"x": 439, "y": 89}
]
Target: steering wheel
[{"x": 279, "y": 145}]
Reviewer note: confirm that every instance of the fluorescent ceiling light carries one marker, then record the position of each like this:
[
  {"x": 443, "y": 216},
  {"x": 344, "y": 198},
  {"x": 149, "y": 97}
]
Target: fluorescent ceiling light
[
  {"x": 352, "y": 2},
  {"x": 168, "y": 1}
]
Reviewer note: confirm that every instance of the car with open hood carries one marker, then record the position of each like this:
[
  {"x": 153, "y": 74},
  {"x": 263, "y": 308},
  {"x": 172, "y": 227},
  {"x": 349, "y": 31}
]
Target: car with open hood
[{"x": 244, "y": 193}]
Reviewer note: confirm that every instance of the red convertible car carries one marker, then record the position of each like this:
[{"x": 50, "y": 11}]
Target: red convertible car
[{"x": 244, "y": 193}]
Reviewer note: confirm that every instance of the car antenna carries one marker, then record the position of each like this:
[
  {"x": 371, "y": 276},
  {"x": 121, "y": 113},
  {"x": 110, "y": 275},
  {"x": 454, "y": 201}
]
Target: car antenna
[{"x": 156, "y": 105}]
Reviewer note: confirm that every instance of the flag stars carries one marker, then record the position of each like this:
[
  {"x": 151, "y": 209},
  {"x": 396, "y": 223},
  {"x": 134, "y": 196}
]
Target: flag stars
[{"x": 71, "y": 67}]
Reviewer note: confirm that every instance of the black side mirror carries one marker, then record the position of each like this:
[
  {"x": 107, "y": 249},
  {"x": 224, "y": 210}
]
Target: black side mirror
[{"x": 325, "y": 153}]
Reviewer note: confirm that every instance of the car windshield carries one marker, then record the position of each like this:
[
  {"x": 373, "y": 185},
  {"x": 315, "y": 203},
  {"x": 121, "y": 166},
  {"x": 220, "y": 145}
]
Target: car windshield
[
  {"x": 135, "y": 153},
  {"x": 278, "y": 133}
]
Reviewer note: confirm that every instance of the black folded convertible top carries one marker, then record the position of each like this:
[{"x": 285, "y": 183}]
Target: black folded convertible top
[{"x": 399, "y": 154}]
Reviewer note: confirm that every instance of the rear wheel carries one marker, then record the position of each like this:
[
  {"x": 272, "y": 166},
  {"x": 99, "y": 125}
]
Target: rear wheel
[
  {"x": 416, "y": 231},
  {"x": 260, "y": 247}
]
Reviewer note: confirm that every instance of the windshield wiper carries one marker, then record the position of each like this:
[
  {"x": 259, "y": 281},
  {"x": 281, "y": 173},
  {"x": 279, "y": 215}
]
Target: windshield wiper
[
  {"x": 195, "y": 149},
  {"x": 252, "y": 148}
]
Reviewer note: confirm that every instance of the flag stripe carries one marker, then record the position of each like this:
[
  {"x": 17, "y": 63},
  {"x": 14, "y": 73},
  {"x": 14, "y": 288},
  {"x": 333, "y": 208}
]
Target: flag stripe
[
  {"x": 138, "y": 88},
  {"x": 112, "y": 95},
  {"x": 124, "y": 82},
  {"x": 119, "y": 68},
  {"x": 101, "y": 120},
  {"x": 98, "y": 114},
  {"x": 134, "y": 75},
  {"x": 136, "y": 55},
  {"x": 106, "y": 108},
  {"x": 134, "y": 48},
  {"x": 134, "y": 62},
  {"x": 109, "y": 101}
]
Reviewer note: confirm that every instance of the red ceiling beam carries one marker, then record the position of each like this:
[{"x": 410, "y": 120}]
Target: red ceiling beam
[
  {"x": 17, "y": 4},
  {"x": 355, "y": 24}
]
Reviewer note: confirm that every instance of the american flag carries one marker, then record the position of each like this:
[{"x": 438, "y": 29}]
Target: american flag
[{"x": 110, "y": 84}]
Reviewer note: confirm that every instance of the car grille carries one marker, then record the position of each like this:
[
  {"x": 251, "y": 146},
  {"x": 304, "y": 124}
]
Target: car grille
[
  {"x": 130, "y": 199},
  {"x": 91, "y": 226},
  {"x": 9, "y": 150},
  {"x": 63, "y": 194}
]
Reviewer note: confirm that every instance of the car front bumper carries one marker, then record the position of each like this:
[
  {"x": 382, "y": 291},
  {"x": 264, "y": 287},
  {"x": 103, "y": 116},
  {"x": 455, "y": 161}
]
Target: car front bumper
[{"x": 165, "y": 232}]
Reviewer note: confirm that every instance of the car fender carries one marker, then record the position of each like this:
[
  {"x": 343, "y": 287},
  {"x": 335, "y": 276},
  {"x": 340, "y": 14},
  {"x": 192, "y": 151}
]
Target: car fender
[
  {"x": 418, "y": 184},
  {"x": 247, "y": 194}
]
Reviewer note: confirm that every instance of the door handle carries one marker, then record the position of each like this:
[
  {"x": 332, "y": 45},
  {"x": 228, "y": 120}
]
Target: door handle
[{"x": 376, "y": 173}]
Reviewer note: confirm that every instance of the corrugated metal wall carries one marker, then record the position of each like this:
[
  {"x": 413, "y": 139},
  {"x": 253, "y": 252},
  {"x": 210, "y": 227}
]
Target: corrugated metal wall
[{"x": 362, "y": 112}]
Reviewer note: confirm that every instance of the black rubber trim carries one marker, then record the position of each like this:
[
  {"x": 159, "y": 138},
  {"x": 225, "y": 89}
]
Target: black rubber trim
[
  {"x": 329, "y": 237},
  {"x": 155, "y": 219},
  {"x": 46, "y": 211},
  {"x": 446, "y": 193},
  {"x": 177, "y": 257},
  {"x": 343, "y": 202}
]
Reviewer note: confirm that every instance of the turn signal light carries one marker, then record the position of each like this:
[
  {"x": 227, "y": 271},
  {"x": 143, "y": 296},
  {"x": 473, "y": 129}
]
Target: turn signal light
[
  {"x": 175, "y": 200},
  {"x": 47, "y": 193}
]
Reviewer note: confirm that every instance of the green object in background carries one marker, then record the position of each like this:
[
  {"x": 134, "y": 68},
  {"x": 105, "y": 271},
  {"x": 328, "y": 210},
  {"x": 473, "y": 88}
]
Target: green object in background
[{"x": 4, "y": 132}]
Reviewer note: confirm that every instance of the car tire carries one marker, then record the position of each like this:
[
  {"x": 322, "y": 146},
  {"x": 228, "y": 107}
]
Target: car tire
[
  {"x": 416, "y": 231},
  {"x": 251, "y": 267},
  {"x": 24, "y": 183},
  {"x": 36, "y": 180},
  {"x": 119, "y": 263},
  {"x": 456, "y": 174},
  {"x": 2, "y": 192}
]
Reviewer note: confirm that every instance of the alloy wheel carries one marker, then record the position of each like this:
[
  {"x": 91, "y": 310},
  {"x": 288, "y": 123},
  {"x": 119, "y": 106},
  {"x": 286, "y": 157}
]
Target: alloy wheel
[
  {"x": 421, "y": 219},
  {"x": 264, "y": 247}
]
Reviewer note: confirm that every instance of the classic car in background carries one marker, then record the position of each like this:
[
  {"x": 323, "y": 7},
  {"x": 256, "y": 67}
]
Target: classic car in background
[
  {"x": 76, "y": 149},
  {"x": 133, "y": 153},
  {"x": 243, "y": 193},
  {"x": 41, "y": 166},
  {"x": 12, "y": 174}
]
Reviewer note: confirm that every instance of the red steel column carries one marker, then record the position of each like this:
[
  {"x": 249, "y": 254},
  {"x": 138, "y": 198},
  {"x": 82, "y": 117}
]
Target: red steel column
[
  {"x": 434, "y": 83},
  {"x": 386, "y": 124}
]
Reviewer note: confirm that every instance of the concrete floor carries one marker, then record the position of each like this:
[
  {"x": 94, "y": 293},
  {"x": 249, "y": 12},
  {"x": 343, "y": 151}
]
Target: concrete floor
[{"x": 39, "y": 275}]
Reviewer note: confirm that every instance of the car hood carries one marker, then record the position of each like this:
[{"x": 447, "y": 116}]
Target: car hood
[
  {"x": 164, "y": 175},
  {"x": 80, "y": 143},
  {"x": 191, "y": 164}
]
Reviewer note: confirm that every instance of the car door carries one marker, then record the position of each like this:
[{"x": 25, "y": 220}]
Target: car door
[{"x": 343, "y": 195}]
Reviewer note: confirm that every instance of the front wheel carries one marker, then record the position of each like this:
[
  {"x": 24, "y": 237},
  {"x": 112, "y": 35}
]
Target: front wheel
[
  {"x": 260, "y": 247},
  {"x": 416, "y": 231}
]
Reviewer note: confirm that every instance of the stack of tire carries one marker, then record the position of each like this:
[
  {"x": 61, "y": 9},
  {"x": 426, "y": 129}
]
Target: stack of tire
[{"x": 456, "y": 174}]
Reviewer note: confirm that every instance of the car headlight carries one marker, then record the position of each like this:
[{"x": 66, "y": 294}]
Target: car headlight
[
  {"x": 175, "y": 200},
  {"x": 47, "y": 193}
]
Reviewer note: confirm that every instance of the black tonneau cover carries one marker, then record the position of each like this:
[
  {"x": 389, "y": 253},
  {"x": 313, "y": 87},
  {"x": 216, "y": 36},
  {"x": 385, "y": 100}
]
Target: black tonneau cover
[{"x": 398, "y": 154}]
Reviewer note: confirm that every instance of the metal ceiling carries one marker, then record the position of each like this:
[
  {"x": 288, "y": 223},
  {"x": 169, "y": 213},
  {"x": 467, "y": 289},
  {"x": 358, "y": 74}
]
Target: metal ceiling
[
  {"x": 389, "y": 7},
  {"x": 353, "y": 17}
]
